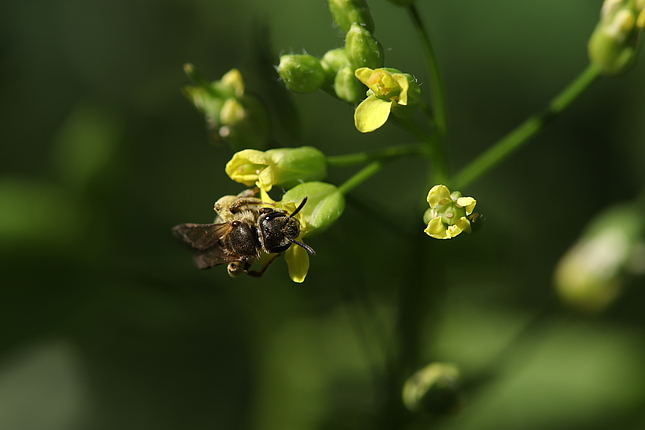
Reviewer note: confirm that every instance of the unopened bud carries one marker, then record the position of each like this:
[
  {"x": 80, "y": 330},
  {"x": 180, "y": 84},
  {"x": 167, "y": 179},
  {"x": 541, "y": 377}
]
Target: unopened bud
[
  {"x": 301, "y": 73},
  {"x": 614, "y": 44},
  {"x": 591, "y": 274},
  {"x": 348, "y": 12},
  {"x": 363, "y": 50},
  {"x": 434, "y": 389},
  {"x": 347, "y": 87}
]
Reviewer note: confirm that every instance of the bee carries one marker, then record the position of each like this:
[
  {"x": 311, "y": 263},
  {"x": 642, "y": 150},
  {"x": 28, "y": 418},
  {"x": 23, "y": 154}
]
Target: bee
[{"x": 243, "y": 233}]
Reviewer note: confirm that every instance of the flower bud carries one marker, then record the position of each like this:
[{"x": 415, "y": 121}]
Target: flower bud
[
  {"x": 284, "y": 166},
  {"x": 434, "y": 389},
  {"x": 363, "y": 50},
  {"x": 325, "y": 203},
  {"x": 590, "y": 275},
  {"x": 332, "y": 62},
  {"x": 347, "y": 87},
  {"x": 301, "y": 73},
  {"x": 614, "y": 43},
  {"x": 348, "y": 12}
]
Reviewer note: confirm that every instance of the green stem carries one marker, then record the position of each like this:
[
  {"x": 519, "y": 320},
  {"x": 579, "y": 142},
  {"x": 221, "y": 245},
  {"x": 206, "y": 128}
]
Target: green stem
[
  {"x": 438, "y": 98},
  {"x": 439, "y": 171},
  {"x": 525, "y": 131},
  {"x": 360, "y": 176},
  {"x": 385, "y": 154}
]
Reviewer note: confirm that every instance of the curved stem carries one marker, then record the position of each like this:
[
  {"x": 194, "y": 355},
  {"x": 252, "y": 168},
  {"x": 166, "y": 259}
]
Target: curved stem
[{"x": 525, "y": 131}]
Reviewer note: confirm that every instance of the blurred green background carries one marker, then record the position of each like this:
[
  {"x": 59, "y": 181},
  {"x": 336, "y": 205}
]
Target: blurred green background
[{"x": 107, "y": 325}]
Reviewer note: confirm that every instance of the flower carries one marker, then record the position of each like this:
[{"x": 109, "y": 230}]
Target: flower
[
  {"x": 592, "y": 273},
  {"x": 231, "y": 115},
  {"x": 449, "y": 213},
  {"x": 325, "y": 203},
  {"x": 284, "y": 166},
  {"x": 435, "y": 389},
  {"x": 389, "y": 91}
]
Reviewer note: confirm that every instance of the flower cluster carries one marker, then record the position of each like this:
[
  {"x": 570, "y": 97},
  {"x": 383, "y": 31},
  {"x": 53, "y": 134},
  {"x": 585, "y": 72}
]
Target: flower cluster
[
  {"x": 615, "y": 41},
  {"x": 231, "y": 114},
  {"x": 346, "y": 71}
]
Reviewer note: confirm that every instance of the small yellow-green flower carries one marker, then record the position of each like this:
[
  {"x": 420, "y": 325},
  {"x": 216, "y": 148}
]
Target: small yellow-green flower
[
  {"x": 448, "y": 213},
  {"x": 231, "y": 115},
  {"x": 325, "y": 204},
  {"x": 389, "y": 91},
  {"x": 284, "y": 166}
]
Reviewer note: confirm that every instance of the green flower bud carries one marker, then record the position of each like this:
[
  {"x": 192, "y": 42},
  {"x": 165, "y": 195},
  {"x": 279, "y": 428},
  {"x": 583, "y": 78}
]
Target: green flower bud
[
  {"x": 363, "y": 50},
  {"x": 348, "y": 12},
  {"x": 434, "y": 389},
  {"x": 285, "y": 167},
  {"x": 325, "y": 203},
  {"x": 591, "y": 274},
  {"x": 347, "y": 87},
  {"x": 332, "y": 62},
  {"x": 232, "y": 116},
  {"x": 614, "y": 43},
  {"x": 301, "y": 73}
]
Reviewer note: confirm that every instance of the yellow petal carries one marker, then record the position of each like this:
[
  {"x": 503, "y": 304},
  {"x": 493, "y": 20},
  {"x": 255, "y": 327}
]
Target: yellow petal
[
  {"x": 437, "y": 229},
  {"x": 437, "y": 194},
  {"x": 364, "y": 74},
  {"x": 468, "y": 203},
  {"x": 403, "y": 82},
  {"x": 454, "y": 230},
  {"x": 298, "y": 262},
  {"x": 463, "y": 224},
  {"x": 371, "y": 114},
  {"x": 245, "y": 166}
]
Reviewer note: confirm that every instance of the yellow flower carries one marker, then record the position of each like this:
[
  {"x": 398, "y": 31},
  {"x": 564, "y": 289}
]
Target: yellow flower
[
  {"x": 285, "y": 167},
  {"x": 297, "y": 257},
  {"x": 448, "y": 213},
  {"x": 389, "y": 91}
]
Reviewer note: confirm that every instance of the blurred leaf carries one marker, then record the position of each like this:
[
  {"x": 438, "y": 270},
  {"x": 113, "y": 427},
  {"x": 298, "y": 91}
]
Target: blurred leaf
[{"x": 85, "y": 147}]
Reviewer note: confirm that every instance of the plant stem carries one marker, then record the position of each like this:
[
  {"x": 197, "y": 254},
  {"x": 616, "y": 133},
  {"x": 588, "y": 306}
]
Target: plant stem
[
  {"x": 438, "y": 99},
  {"x": 384, "y": 154},
  {"x": 360, "y": 176},
  {"x": 525, "y": 131},
  {"x": 439, "y": 171}
]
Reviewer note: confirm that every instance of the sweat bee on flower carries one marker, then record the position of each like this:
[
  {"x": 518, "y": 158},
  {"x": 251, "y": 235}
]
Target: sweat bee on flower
[{"x": 245, "y": 231}]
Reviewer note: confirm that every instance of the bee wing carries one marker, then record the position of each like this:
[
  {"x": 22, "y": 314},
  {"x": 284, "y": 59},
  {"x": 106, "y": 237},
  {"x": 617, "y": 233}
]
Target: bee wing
[
  {"x": 201, "y": 236},
  {"x": 213, "y": 256}
]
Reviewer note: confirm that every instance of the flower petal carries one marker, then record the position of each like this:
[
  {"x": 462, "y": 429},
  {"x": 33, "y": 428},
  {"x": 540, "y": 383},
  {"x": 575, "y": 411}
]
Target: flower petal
[
  {"x": 371, "y": 114},
  {"x": 468, "y": 203},
  {"x": 404, "y": 84},
  {"x": 437, "y": 194},
  {"x": 298, "y": 262},
  {"x": 437, "y": 229}
]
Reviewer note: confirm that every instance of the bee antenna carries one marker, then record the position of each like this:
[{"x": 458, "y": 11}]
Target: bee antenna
[
  {"x": 302, "y": 205},
  {"x": 307, "y": 248}
]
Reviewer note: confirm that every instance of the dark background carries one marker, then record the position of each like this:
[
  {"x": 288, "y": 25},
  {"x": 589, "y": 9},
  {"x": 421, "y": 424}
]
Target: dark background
[{"x": 107, "y": 325}]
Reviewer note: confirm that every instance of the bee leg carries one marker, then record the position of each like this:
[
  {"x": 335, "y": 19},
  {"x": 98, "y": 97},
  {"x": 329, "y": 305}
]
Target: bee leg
[{"x": 260, "y": 273}]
